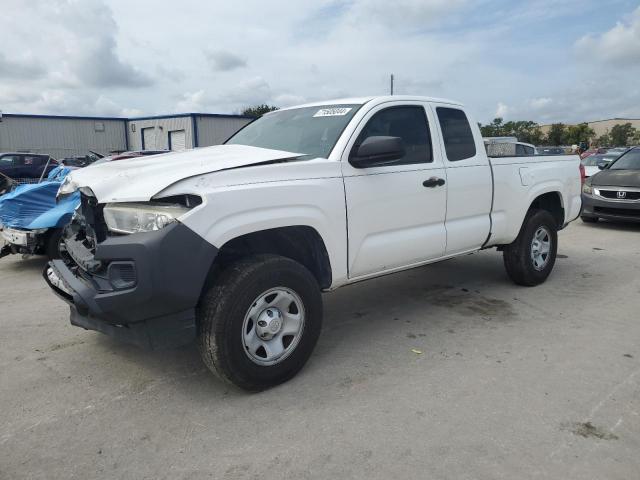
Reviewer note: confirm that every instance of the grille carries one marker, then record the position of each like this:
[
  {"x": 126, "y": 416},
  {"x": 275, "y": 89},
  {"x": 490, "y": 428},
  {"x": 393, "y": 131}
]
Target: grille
[
  {"x": 613, "y": 194},
  {"x": 622, "y": 212}
]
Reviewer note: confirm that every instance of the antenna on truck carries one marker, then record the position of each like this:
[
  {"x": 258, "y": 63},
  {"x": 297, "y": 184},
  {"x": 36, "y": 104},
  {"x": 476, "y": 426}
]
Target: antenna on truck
[{"x": 391, "y": 84}]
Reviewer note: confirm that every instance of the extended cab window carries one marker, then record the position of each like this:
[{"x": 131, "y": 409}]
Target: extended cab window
[
  {"x": 410, "y": 124},
  {"x": 456, "y": 132}
]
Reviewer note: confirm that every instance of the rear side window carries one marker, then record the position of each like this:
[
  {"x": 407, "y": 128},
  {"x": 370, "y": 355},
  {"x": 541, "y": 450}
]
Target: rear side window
[
  {"x": 456, "y": 132},
  {"x": 410, "y": 124}
]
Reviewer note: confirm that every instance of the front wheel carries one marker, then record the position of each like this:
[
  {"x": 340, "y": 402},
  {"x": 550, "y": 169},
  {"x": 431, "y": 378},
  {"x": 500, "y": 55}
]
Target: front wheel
[
  {"x": 530, "y": 258},
  {"x": 259, "y": 322}
]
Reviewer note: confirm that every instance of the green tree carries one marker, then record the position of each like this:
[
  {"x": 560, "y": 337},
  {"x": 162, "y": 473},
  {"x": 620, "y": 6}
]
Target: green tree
[
  {"x": 621, "y": 133},
  {"x": 258, "y": 110},
  {"x": 578, "y": 134},
  {"x": 494, "y": 129},
  {"x": 524, "y": 130},
  {"x": 557, "y": 134},
  {"x": 603, "y": 140}
]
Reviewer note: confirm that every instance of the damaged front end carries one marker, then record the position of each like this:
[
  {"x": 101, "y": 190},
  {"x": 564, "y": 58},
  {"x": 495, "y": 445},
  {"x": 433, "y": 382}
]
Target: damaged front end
[
  {"x": 141, "y": 286},
  {"x": 31, "y": 219},
  {"x": 25, "y": 242}
]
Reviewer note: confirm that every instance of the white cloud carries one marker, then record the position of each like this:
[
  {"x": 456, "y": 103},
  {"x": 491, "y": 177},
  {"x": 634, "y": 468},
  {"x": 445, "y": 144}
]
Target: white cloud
[
  {"x": 618, "y": 46},
  {"x": 406, "y": 13},
  {"x": 540, "y": 103},
  {"x": 99, "y": 56},
  {"x": 287, "y": 100},
  {"x": 20, "y": 68},
  {"x": 192, "y": 102},
  {"x": 224, "y": 61},
  {"x": 502, "y": 110}
]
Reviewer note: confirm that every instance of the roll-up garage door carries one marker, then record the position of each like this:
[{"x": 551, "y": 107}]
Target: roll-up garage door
[
  {"x": 178, "y": 140},
  {"x": 149, "y": 138}
]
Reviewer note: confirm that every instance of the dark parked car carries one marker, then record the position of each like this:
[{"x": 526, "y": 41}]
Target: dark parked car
[
  {"x": 26, "y": 165},
  {"x": 551, "y": 150},
  {"x": 614, "y": 192},
  {"x": 130, "y": 154}
]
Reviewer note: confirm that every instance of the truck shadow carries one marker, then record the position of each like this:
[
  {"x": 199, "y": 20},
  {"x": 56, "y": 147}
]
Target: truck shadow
[
  {"x": 611, "y": 225},
  {"x": 446, "y": 295},
  {"x": 424, "y": 302}
]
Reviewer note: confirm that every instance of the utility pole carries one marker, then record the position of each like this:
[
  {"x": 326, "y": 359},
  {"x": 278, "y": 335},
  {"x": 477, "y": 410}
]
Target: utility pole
[{"x": 392, "y": 84}]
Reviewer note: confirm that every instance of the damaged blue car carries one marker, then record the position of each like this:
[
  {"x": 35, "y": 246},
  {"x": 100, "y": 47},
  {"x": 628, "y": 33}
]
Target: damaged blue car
[
  {"x": 32, "y": 218},
  {"x": 31, "y": 221}
]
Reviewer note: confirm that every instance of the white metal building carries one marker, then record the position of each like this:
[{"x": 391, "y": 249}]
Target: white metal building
[
  {"x": 63, "y": 136},
  {"x": 182, "y": 131}
]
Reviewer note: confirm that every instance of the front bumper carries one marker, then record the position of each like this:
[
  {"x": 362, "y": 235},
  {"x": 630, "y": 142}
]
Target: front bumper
[
  {"x": 22, "y": 241},
  {"x": 618, "y": 210},
  {"x": 152, "y": 304}
]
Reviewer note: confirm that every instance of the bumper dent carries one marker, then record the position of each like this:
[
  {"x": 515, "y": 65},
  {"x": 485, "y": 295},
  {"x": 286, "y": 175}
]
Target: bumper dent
[{"x": 171, "y": 266}]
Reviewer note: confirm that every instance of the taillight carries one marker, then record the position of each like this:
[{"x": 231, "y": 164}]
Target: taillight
[{"x": 583, "y": 174}]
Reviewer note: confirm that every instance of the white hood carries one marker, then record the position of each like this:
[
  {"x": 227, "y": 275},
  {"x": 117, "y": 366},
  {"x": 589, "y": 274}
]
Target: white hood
[{"x": 139, "y": 179}]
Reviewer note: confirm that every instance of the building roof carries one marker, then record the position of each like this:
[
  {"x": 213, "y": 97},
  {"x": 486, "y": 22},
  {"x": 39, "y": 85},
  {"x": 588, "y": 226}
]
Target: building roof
[
  {"x": 125, "y": 119},
  {"x": 60, "y": 117},
  {"x": 191, "y": 114},
  {"x": 616, "y": 119}
]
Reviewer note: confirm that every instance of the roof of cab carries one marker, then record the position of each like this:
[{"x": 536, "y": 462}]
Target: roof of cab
[{"x": 375, "y": 100}]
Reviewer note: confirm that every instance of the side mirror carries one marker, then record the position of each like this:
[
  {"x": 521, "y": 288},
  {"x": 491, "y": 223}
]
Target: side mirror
[
  {"x": 602, "y": 165},
  {"x": 377, "y": 151}
]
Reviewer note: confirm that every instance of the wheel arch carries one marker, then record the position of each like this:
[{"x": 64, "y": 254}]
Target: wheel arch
[
  {"x": 300, "y": 243},
  {"x": 553, "y": 203}
]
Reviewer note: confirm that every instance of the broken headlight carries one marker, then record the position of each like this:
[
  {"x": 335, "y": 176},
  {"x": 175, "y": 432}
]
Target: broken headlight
[
  {"x": 141, "y": 217},
  {"x": 67, "y": 187}
]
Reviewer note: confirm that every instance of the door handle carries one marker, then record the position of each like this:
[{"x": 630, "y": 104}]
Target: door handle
[{"x": 433, "y": 182}]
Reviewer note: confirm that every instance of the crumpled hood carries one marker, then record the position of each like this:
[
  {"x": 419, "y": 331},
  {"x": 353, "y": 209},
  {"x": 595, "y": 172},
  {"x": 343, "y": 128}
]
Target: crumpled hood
[
  {"x": 139, "y": 179},
  {"x": 34, "y": 206},
  {"x": 617, "y": 178}
]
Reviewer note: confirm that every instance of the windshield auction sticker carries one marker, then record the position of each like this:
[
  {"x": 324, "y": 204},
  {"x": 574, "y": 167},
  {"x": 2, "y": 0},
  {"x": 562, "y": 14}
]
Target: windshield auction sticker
[{"x": 332, "y": 112}]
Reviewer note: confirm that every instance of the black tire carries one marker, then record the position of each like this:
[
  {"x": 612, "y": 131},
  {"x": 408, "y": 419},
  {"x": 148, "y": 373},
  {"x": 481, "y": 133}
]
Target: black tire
[
  {"x": 517, "y": 256},
  {"x": 225, "y": 304},
  {"x": 589, "y": 219},
  {"x": 52, "y": 247}
]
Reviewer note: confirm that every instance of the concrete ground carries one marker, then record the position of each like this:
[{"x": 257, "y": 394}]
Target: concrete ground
[{"x": 510, "y": 383}]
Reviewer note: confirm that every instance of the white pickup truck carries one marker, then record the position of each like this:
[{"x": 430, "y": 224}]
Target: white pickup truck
[{"x": 232, "y": 245}]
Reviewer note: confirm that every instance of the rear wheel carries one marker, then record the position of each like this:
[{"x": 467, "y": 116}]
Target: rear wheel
[
  {"x": 530, "y": 258},
  {"x": 259, "y": 322},
  {"x": 589, "y": 219}
]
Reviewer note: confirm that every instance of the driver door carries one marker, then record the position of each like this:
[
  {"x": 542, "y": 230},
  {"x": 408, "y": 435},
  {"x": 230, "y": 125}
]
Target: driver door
[{"x": 395, "y": 212}]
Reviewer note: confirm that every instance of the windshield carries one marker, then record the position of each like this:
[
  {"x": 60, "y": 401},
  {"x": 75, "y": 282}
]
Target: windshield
[
  {"x": 311, "y": 131},
  {"x": 628, "y": 161}
]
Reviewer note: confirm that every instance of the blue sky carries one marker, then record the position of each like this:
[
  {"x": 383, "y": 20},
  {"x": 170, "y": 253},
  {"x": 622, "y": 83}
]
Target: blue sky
[{"x": 545, "y": 60}]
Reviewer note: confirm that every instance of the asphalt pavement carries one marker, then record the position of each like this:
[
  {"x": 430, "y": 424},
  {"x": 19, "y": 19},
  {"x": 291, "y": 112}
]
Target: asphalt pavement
[{"x": 442, "y": 372}]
